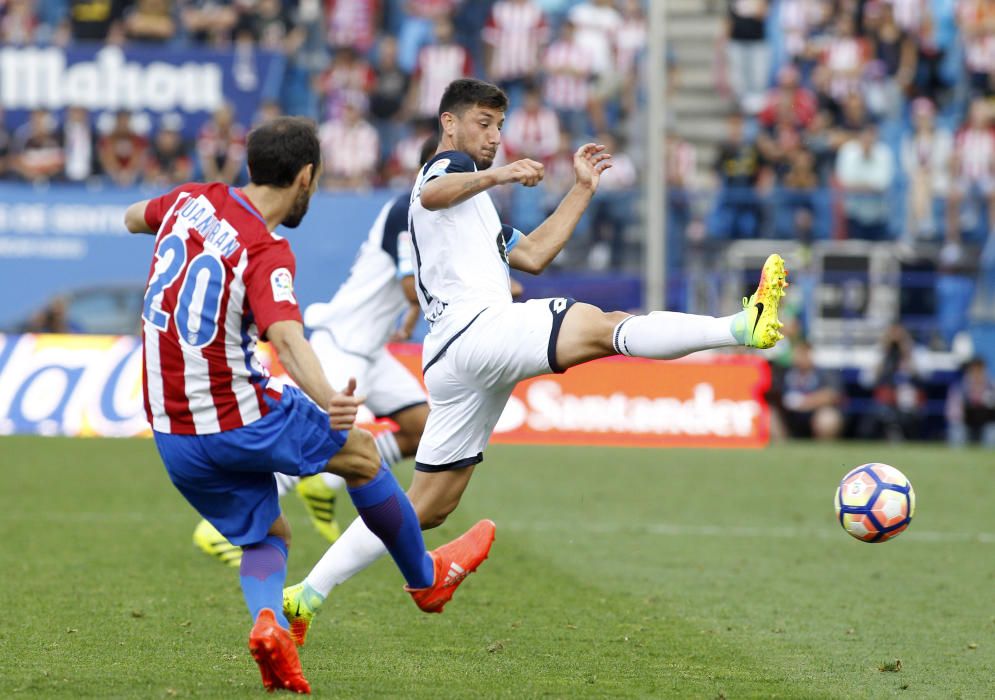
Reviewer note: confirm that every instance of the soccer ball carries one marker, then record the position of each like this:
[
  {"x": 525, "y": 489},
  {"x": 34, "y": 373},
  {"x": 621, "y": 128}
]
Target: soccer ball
[{"x": 875, "y": 502}]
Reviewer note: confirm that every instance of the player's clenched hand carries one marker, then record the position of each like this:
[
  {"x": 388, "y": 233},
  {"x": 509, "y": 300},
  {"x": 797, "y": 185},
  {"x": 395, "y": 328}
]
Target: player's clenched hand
[
  {"x": 590, "y": 161},
  {"x": 525, "y": 171},
  {"x": 342, "y": 410}
]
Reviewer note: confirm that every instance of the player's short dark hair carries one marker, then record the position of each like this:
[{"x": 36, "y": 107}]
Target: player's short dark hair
[
  {"x": 465, "y": 93},
  {"x": 279, "y": 148}
]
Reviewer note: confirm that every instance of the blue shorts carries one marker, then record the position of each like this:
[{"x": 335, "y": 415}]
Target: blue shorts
[{"x": 228, "y": 476}]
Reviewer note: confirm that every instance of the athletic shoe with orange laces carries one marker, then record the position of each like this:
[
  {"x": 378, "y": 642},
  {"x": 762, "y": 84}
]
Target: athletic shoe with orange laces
[
  {"x": 453, "y": 563},
  {"x": 276, "y": 654}
]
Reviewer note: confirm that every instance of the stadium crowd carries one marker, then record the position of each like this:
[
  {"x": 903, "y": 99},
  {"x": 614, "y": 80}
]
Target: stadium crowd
[{"x": 371, "y": 72}]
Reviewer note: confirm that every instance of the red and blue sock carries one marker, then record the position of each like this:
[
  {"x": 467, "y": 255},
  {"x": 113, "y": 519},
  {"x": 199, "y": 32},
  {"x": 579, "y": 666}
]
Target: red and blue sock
[
  {"x": 263, "y": 572},
  {"x": 388, "y": 513}
]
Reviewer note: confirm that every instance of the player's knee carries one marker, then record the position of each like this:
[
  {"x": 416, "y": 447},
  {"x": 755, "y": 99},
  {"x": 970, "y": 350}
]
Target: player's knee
[
  {"x": 606, "y": 331},
  {"x": 369, "y": 461},
  {"x": 281, "y": 528}
]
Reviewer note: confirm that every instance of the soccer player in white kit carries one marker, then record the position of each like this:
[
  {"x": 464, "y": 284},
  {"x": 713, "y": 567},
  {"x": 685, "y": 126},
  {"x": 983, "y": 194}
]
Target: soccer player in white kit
[{"x": 481, "y": 343}]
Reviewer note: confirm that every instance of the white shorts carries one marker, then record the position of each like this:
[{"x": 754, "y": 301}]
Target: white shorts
[
  {"x": 388, "y": 386},
  {"x": 470, "y": 379}
]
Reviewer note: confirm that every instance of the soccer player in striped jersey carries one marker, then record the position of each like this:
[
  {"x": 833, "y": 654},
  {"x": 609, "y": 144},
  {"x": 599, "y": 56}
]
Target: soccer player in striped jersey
[
  {"x": 349, "y": 334},
  {"x": 221, "y": 280},
  {"x": 481, "y": 343}
]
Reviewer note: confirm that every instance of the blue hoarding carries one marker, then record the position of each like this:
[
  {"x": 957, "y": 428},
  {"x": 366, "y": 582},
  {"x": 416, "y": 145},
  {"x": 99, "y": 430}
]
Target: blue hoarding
[{"x": 61, "y": 239}]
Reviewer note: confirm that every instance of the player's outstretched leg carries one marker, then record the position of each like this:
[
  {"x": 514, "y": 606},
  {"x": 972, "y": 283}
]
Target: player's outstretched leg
[{"x": 665, "y": 335}]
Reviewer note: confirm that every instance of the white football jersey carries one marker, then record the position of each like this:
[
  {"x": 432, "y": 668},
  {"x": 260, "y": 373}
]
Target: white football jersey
[
  {"x": 460, "y": 253},
  {"x": 364, "y": 311}
]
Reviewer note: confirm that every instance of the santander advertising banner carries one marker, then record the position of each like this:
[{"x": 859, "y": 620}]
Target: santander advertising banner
[{"x": 91, "y": 386}]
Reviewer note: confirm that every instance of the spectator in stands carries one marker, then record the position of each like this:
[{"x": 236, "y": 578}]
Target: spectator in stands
[
  {"x": 898, "y": 397},
  {"x": 17, "y": 23},
  {"x": 569, "y": 68},
  {"x": 846, "y": 55},
  {"x": 597, "y": 24},
  {"x": 439, "y": 63},
  {"x": 797, "y": 195},
  {"x": 421, "y": 19},
  {"x": 976, "y": 19},
  {"x": 810, "y": 398},
  {"x": 515, "y": 33},
  {"x": 170, "y": 162},
  {"x": 746, "y": 52},
  {"x": 972, "y": 171},
  {"x": 5, "y": 142},
  {"x": 150, "y": 21},
  {"x": 387, "y": 97},
  {"x": 865, "y": 170},
  {"x": 96, "y": 20},
  {"x": 347, "y": 79},
  {"x": 681, "y": 163},
  {"x": 349, "y": 149},
  {"x": 559, "y": 175},
  {"x": 926, "y": 153},
  {"x": 122, "y": 151},
  {"x": 611, "y": 210},
  {"x": 268, "y": 110},
  {"x": 532, "y": 129},
  {"x": 894, "y": 50},
  {"x": 36, "y": 152},
  {"x": 209, "y": 21},
  {"x": 352, "y": 23},
  {"x": 272, "y": 27},
  {"x": 739, "y": 166},
  {"x": 798, "y": 21},
  {"x": 79, "y": 144},
  {"x": 971, "y": 407},
  {"x": 52, "y": 318},
  {"x": 852, "y": 119},
  {"x": 631, "y": 44},
  {"x": 788, "y": 102},
  {"x": 221, "y": 148}
]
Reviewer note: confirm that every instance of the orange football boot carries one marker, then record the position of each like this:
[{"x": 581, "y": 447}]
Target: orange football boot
[
  {"x": 274, "y": 650},
  {"x": 453, "y": 563}
]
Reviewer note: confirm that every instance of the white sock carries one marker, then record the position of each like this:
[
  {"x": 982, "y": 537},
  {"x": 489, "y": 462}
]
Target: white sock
[
  {"x": 285, "y": 483},
  {"x": 355, "y": 550},
  {"x": 666, "y": 335},
  {"x": 388, "y": 448}
]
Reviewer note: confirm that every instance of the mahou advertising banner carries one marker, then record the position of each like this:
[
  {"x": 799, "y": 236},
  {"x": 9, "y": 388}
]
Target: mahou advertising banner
[{"x": 91, "y": 386}]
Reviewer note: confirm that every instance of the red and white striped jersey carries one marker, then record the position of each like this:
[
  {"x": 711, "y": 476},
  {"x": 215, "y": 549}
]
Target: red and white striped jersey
[
  {"x": 516, "y": 31},
  {"x": 532, "y": 134},
  {"x": 218, "y": 280},
  {"x": 439, "y": 65},
  {"x": 569, "y": 69},
  {"x": 349, "y": 150},
  {"x": 975, "y": 151},
  {"x": 352, "y": 23},
  {"x": 909, "y": 14}
]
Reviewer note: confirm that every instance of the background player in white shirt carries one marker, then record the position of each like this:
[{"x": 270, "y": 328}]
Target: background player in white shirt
[{"x": 481, "y": 343}]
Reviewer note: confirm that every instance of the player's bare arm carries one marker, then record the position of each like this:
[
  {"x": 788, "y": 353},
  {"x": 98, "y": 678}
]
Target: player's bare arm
[
  {"x": 455, "y": 188},
  {"x": 535, "y": 252},
  {"x": 134, "y": 218},
  {"x": 302, "y": 365},
  {"x": 413, "y": 313}
]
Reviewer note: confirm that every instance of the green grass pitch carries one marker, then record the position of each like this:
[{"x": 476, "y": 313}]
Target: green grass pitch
[{"x": 615, "y": 573}]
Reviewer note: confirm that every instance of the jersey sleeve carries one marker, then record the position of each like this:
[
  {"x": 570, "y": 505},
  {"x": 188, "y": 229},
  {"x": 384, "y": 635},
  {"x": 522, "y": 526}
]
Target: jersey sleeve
[
  {"x": 511, "y": 237},
  {"x": 155, "y": 210},
  {"x": 396, "y": 239},
  {"x": 449, "y": 162},
  {"x": 269, "y": 285}
]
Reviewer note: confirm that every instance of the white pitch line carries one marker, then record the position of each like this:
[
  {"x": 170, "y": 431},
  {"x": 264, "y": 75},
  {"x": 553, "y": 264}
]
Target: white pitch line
[{"x": 684, "y": 530}]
